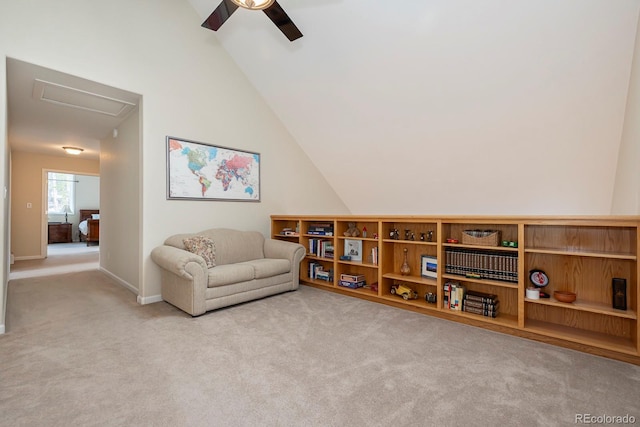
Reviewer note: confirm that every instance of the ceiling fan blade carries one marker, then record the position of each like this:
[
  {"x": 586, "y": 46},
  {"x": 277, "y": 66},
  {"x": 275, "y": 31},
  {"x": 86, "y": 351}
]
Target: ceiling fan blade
[
  {"x": 220, "y": 15},
  {"x": 282, "y": 21}
]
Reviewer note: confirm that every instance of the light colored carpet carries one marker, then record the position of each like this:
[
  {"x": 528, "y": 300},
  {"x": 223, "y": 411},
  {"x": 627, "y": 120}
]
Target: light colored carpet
[
  {"x": 61, "y": 258},
  {"x": 79, "y": 351}
]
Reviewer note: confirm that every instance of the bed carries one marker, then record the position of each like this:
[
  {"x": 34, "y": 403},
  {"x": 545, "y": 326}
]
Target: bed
[{"x": 89, "y": 226}]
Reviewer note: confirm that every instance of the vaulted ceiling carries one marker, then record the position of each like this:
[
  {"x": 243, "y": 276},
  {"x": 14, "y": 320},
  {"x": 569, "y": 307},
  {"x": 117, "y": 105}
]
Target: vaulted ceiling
[{"x": 482, "y": 97}]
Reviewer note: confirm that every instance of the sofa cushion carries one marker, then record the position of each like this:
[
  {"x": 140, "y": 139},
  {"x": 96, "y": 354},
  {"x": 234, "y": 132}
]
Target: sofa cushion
[
  {"x": 268, "y": 267},
  {"x": 202, "y": 246},
  {"x": 229, "y": 274}
]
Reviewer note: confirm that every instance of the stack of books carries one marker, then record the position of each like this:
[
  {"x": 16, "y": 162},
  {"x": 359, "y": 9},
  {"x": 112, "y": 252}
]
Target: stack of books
[
  {"x": 288, "y": 232},
  {"x": 352, "y": 281},
  {"x": 321, "y": 229},
  {"x": 481, "y": 303}
]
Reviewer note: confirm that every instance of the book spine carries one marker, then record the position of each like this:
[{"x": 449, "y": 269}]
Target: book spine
[{"x": 479, "y": 311}]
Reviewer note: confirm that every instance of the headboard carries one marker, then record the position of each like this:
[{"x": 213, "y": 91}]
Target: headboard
[{"x": 86, "y": 213}]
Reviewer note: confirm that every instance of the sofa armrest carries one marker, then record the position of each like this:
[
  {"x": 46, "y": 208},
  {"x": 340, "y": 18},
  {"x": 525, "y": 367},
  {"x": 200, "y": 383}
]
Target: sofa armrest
[
  {"x": 177, "y": 261},
  {"x": 287, "y": 250}
]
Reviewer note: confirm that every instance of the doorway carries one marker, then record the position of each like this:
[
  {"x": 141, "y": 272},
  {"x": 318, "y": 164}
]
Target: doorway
[{"x": 68, "y": 198}]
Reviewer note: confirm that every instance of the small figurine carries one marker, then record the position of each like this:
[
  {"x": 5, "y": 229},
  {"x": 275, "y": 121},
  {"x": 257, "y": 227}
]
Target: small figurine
[
  {"x": 394, "y": 234},
  {"x": 404, "y": 291},
  {"x": 412, "y": 236},
  {"x": 364, "y": 231},
  {"x": 422, "y": 237},
  {"x": 406, "y": 234},
  {"x": 430, "y": 236}
]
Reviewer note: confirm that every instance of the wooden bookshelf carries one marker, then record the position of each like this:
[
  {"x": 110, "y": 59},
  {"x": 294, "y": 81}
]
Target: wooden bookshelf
[{"x": 579, "y": 254}]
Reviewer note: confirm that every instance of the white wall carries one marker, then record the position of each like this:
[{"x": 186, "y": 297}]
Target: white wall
[
  {"x": 626, "y": 194},
  {"x": 191, "y": 89},
  {"x": 120, "y": 203},
  {"x": 5, "y": 197}
]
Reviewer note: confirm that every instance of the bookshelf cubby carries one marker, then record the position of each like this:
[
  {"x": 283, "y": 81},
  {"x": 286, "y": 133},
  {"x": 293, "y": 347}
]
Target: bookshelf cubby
[{"x": 578, "y": 254}]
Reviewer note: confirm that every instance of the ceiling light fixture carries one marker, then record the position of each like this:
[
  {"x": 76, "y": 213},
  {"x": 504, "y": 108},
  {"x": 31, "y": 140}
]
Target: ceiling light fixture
[
  {"x": 254, "y": 4},
  {"x": 73, "y": 150}
]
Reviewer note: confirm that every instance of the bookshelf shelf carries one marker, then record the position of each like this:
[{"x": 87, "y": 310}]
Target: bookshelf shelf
[
  {"x": 581, "y": 336},
  {"x": 417, "y": 303},
  {"x": 411, "y": 279},
  {"x": 583, "y": 253},
  {"x": 506, "y": 320},
  {"x": 411, "y": 242},
  {"x": 358, "y": 264},
  {"x": 591, "y": 307},
  {"x": 578, "y": 254}
]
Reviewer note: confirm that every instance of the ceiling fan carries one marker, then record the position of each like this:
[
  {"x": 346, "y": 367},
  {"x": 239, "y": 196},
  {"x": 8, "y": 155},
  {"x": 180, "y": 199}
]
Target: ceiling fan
[{"x": 270, "y": 7}]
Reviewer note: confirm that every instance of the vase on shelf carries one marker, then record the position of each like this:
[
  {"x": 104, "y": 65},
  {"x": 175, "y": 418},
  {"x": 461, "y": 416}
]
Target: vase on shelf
[{"x": 404, "y": 268}]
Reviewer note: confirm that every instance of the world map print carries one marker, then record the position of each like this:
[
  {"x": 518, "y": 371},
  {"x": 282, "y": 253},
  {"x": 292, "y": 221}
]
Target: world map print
[{"x": 200, "y": 171}]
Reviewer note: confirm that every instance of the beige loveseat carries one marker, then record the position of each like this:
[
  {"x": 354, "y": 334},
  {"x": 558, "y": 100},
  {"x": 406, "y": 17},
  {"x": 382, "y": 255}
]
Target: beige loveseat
[{"x": 247, "y": 267}]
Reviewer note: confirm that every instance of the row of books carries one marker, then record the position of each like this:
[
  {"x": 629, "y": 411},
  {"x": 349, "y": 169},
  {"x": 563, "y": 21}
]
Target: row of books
[
  {"x": 321, "y": 248},
  {"x": 321, "y": 229},
  {"x": 458, "y": 298},
  {"x": 501, "y": 266},
  {"x": 317, "y": 272}
]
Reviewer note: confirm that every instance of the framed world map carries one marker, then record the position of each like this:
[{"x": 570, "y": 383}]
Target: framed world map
[{"x": 198, "y": 171}]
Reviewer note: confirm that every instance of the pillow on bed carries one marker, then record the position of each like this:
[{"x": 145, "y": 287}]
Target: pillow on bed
[
  {"x": 95, "y": 216},
  {"x": 202, "y": 246}
]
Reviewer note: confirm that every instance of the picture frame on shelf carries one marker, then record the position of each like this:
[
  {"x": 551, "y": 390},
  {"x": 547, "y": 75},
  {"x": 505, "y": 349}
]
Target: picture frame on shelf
[
  {"x": 199, "y": 171},
  {"x": 429, "y": 267},
  {"x": 353, "y": 248}
]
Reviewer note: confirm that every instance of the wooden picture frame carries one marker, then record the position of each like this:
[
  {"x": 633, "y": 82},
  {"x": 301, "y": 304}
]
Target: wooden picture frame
[{"x": 199, "y": 171}]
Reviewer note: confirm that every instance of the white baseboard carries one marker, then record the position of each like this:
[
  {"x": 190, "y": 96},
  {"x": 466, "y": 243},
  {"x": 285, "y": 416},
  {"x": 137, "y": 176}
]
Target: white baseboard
[
  {"x": 125, "y": 284},
  {"x": 121, "y": 282},
  {"x": 26, "y": 258},
  {"x": 149, "y": 300}
]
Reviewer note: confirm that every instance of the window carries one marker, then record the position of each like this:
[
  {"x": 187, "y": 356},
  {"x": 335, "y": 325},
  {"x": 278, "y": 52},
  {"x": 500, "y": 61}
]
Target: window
[{"x": 62, "y": 191}]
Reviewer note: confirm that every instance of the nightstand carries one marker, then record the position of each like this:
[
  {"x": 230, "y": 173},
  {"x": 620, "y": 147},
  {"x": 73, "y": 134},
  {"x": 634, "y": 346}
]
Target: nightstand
[{"x": 59, "y": 232}]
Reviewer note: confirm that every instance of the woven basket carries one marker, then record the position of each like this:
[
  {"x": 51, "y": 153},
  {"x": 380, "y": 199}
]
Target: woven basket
[{"x": 481, "y": 238}]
